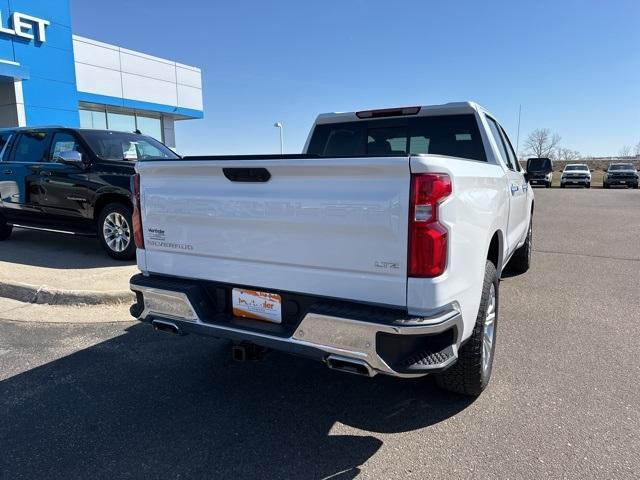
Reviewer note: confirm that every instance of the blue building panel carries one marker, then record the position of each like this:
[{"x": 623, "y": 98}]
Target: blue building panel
[
  {"x": 55, "y": 11},
  {"x": 52, "y": 116},
  {"x": 43, "y": 70}
]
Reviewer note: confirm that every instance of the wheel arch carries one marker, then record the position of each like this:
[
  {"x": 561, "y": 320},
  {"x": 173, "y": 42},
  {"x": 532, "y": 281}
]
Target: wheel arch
[
  {"x": 495, "y": 251},
  {"x": 107, "y": 198}
]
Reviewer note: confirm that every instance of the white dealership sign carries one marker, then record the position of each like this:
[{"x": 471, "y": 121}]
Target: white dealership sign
[{"x": 26, "y": 26}]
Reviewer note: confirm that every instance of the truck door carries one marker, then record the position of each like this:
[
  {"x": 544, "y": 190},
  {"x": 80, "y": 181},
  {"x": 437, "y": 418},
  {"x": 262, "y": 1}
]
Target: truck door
[{"x": 516, "y": 185}]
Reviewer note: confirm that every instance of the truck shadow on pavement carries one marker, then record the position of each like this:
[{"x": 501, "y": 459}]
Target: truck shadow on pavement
[
  {"x": 55, "y": 250},
  {"x": 147, "y": 404}
]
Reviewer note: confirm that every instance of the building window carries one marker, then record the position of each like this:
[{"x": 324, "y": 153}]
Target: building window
[
  {"x": 150, "y": 126},
  {"x": 124, "y": 122},
  {"x": 121, "y": 122},
  {"x": 93, "y": 119}
]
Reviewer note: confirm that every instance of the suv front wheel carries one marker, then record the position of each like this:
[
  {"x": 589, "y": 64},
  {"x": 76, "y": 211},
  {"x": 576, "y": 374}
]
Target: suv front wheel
[{"x": 115, "y": 231}]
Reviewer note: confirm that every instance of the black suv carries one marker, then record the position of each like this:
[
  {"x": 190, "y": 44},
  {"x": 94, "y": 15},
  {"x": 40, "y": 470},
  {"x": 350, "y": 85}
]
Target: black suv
[{"x": 73, "y": 181}]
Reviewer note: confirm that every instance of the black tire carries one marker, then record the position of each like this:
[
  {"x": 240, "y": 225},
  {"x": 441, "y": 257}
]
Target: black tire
[
  {"x": 605, "y": 185},
  {"x": 588, "y": 185},
  {"x": 5, "y": 229},
  {"x": 521, "y": 260},
  {"x": 470, "y": 375},
  {"x": 548, "y": 185},
  {"x": 115, "y": 247},
  {"x": 562, "y": 185}
]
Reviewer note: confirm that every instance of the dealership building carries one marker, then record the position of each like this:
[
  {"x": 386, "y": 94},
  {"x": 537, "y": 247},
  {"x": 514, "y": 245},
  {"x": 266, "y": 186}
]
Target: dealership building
[{"x": 49, "y": 76}]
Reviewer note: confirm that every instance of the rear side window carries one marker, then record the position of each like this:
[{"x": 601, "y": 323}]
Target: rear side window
[
  {"x": 451, "y": 135},
  {"x": 31, "y": 147},
  {"x": 503, "y": 150}
]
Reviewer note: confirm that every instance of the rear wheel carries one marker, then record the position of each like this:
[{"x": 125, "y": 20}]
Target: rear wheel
[
  {"x": 5, "y": 229},
  {"x": 115, "y": 231},
  {"x": 471, "y": 373}
]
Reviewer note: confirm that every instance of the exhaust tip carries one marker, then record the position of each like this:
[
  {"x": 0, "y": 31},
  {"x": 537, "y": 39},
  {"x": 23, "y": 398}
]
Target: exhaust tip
[
  {"x": 349, "y": 365},
  {"x": 168, "y": 327}
]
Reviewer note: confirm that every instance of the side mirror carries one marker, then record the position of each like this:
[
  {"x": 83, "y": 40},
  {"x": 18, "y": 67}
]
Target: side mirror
[
  {"x": 592, "y": 170},
  {"x": 71, "y": 157}
]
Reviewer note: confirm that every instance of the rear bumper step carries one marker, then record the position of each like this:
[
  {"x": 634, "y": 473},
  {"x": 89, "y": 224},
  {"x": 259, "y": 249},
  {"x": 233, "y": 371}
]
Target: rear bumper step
[{"x": 359, "y": 339}]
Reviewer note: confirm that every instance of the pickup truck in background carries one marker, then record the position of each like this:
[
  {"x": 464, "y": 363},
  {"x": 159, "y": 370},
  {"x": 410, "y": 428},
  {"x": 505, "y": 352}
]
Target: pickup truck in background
[
  {"x": 73, "y": 181},
  {"x": 378, "y": 250},
  {"x": 622, "y": 174},
  {"x": 576, "y": 174}
]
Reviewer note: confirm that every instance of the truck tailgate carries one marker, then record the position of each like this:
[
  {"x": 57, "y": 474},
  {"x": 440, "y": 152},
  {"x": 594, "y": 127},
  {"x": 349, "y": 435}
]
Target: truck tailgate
[{"x": 326, "y": 227}]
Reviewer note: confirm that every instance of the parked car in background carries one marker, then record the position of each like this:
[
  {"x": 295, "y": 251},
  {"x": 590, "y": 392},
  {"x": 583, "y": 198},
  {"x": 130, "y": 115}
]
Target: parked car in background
[
  {"x": 378, "y": 250},
  {"x": 540, "y": 171},
  {"x": 622, "y": 174},
  {"x": 576, "y": 174},
  {"x": 73, "y": 181}
]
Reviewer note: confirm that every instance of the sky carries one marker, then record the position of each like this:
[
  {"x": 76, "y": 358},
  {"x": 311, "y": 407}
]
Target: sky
[{"x": 573, "y": 66}]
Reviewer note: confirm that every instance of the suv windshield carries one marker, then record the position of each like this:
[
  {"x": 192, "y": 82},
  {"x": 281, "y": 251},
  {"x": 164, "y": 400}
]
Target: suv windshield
[
  {"x": 539, "y": 165},
  {"x": 626, "y": 166},
  {"x": 576, "y": 167},
  {"x": 109, "y": 145}
]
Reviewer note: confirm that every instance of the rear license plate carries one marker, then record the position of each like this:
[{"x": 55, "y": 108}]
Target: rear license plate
[{"x": 257, "y": 305}]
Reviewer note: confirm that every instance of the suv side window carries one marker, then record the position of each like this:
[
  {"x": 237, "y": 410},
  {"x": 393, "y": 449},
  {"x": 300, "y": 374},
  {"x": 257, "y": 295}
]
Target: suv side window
[
  {"x": 31, "y": 147},
  {"x": 495, "y": 132},
  {"x": 5, "y": 139},
  {"x": 64, "y": 142}
]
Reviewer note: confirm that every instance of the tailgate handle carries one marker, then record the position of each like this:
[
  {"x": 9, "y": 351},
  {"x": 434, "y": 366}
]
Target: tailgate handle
[{"x": 247, "y": 174}]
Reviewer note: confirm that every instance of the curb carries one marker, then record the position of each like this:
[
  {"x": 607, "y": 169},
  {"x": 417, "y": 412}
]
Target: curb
[{"x": 26, "y": 293}]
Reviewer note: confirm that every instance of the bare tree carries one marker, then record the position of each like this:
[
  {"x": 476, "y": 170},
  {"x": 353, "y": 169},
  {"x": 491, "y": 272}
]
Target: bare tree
[
  {"x": 567, "y": 154},
  {"x": 625, "y": 151},
  {"x": 542, "y": 143},
  {"x": 637, "y": 149}
]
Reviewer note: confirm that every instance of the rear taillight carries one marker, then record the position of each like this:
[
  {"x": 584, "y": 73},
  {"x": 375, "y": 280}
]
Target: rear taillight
[
  {"x": 138, "y": 237},
  {"x": 427, "y": 236}
]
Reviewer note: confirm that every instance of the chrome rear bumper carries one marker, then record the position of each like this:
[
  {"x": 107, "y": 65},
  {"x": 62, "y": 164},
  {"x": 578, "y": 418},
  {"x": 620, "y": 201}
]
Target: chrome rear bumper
[{"x": 324, "y": 333}]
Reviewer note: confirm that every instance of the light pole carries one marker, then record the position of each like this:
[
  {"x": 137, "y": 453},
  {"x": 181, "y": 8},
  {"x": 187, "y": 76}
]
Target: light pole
[{"x": 279, "y": 125}]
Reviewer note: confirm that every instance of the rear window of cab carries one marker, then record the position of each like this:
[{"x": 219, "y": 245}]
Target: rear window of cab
[{"x": 451, "y": 135}]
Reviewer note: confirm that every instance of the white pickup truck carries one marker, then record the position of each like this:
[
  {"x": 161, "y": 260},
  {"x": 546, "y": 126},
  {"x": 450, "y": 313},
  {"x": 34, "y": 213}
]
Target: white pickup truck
[{"x": 378, "y": 250}]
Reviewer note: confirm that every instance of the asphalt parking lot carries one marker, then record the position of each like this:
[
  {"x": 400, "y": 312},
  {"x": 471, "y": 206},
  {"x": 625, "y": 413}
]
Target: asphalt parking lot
[{"x": 116, "y": 400}]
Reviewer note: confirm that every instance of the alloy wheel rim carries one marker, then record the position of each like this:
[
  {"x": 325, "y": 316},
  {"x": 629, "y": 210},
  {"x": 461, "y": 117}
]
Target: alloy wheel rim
[
  {"x": 489, "y": 332},
  {"x": 116, "y": 232}
]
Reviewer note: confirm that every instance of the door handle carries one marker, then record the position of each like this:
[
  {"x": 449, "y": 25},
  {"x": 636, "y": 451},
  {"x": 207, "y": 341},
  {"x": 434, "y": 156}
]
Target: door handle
[
  {"x": 45, "y": 173},
  {"x": 514, "y": 189},
  {"x": 7, "y": 172}
]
